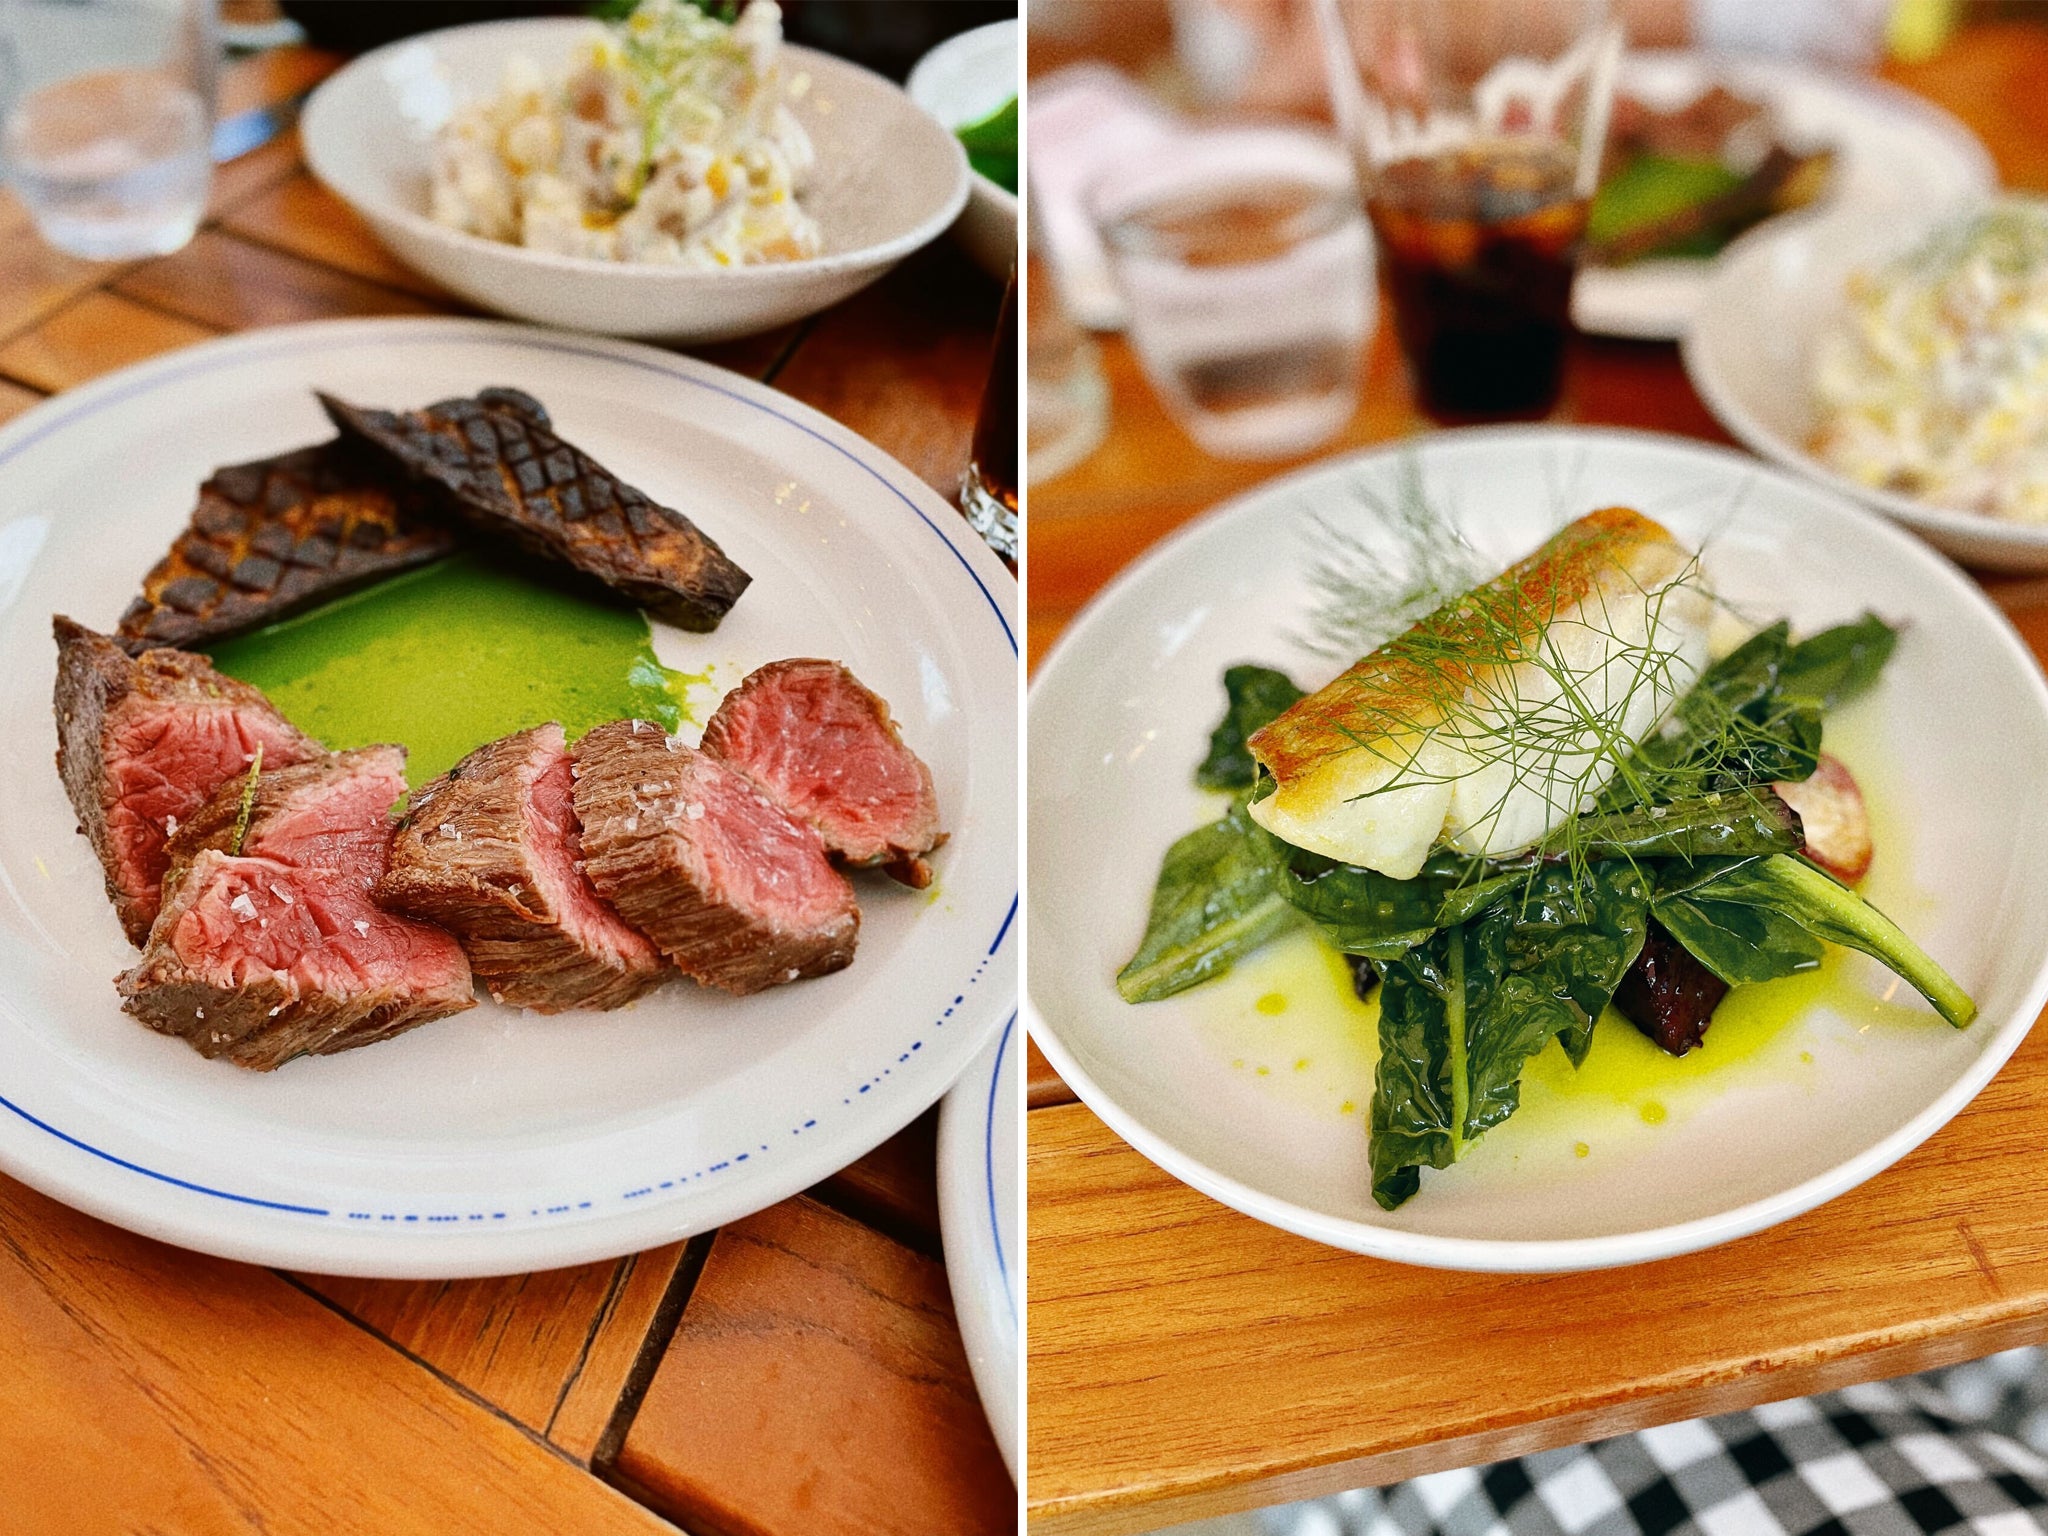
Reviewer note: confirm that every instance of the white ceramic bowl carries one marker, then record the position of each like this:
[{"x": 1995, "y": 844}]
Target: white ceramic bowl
[
  {"x": 889, "y": 180},
  {"x": 1750, "y": 356},
  {"x": 959, "y": 82},
  {"x": 1947, "y": 747}
]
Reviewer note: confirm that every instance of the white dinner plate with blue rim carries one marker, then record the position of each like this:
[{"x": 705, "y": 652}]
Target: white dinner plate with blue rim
[
  {"x": 1264, "y": 1107},
  {"x": 981, "y": 1221},
  {"x": 498, "y": 1141}
]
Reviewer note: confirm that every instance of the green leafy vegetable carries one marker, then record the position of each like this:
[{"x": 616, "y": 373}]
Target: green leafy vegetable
[
  {"x": 1258, "y": 695},
  {"x": 1738, "y": 943},
  {"x": 1837, "y": 664},
  {"x": 992, "y": 145},
  {"x": 1462, "y": 1012},
  {"x": 1827, "y": 909},
  {"x": 1217, "y": 899},
  {"x": 1648, "y": 189},
  {"x": 1363, "y": 912}
]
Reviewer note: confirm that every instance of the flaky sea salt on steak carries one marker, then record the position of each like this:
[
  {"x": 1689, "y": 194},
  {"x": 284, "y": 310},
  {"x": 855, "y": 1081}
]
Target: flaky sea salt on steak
[
  {"x": 142, "y": 743},
  {"x": 826, "y": 750},
  {"x": 733, "y": 891},
  {"x": 275, "y": 949},
  {"x": 490, "y": 852}
]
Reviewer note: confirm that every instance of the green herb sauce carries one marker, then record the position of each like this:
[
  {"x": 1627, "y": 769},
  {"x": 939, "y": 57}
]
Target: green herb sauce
[{"x": 445, "y": 658}]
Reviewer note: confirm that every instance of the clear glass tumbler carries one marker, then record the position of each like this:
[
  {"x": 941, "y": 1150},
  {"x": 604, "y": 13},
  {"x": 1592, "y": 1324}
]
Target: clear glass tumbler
[
  {"x": 1478, "y": 127},
  {"x": 106, "y": 119},
  {"x": 1247, "y": 272}
]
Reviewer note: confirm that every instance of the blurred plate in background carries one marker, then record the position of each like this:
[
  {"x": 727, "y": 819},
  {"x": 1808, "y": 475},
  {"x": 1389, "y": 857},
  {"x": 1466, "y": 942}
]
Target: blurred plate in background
[{"x": 1895, "y": 153}]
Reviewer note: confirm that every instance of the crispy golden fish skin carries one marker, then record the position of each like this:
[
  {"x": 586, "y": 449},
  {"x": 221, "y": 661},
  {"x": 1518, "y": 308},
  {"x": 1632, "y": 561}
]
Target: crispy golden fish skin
[{"x": 1451, "y": 729}]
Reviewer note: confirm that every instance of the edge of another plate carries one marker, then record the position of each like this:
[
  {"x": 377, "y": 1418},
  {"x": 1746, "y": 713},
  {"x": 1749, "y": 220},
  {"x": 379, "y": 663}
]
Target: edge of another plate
[
  {"x": 1611, "y": 316},
  {"x": 983, "y": 1271}
]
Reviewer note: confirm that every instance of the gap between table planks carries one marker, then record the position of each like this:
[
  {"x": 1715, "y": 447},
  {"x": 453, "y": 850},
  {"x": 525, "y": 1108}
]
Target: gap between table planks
[{"x": 560, "y": 1358}]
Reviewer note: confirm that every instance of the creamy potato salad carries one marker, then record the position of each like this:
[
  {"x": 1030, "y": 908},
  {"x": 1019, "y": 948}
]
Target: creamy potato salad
[
  {"x": 1935, "y": 383},
  {"x": 669, "y": 140}
]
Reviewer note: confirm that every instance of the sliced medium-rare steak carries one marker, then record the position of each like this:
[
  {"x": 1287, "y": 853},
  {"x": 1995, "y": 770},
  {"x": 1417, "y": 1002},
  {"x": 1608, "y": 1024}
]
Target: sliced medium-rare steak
[
  {"x": 142, "y": 743},
  {"x": 278, "y": 535},
  {"x": 826, "y": 750},
  {"x": 491, "y": 851},
  {"x": 502, "y": 470},
  {"x": 693, "y": 855},
  {"x": 275, "y": 949}
]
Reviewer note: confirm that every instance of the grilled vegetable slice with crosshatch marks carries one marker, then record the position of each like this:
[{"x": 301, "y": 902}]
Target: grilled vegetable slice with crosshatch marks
[{"x": 503, "y": 471}]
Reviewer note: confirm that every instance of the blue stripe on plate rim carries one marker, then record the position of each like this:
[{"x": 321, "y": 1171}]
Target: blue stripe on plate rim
[{"x": 435, "y": 331}]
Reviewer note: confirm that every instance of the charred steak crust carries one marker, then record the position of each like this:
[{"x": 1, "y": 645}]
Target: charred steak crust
[
  {"x": 490, "y": 852},
  {"x": 732, "y": 890},
  {"x": 143, "y": 741},
  {"x": 278, "y": 951},
  {"x": 275, "y": 536},
  {"x": 504, "y": 472},
  {"x": 825, "y": 748}
]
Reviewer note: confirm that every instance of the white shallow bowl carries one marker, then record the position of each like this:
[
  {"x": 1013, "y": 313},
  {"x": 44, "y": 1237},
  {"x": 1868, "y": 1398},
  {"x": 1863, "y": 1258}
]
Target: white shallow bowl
[
  {"x": 981, "y": 1221},
  {"x": 499, "y": 1141},
  {"x": 1951, "y": 741},
  {"x": 1750, "y": 355},
  {"x": 889, "y": 180},
  {"x": 959, "y": 82},
  {"x": 1895, "y": 153}
]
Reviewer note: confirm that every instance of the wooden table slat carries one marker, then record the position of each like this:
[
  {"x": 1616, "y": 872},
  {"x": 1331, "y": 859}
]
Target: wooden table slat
[
  {"x": 624, "y": 1327},
  {"x": 151, "y": 1389},
  {"x": 903, "y": 363},
  {"x": 516, "y": 1341},
  {"x": 817, "y": 1386},
  {"x": 92, "y": 335},
  {"x": 299, "y": 216},
  {"x": 229, "y": 283}
]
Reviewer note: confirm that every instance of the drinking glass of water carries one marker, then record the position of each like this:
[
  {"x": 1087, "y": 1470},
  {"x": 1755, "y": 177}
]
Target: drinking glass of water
[
  {"x": 1244, "y": 261},
  {"x": 106, "y": 120}
]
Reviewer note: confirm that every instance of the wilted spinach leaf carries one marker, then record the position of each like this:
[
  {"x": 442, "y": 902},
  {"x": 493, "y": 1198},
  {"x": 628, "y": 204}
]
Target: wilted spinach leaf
[
  {"x": 1839, "y": 663},
  {"x": 1794, "y": 891},
  {"x": 1462, "y": 1012},
  {"x": 1217, "y": 899},
  {"x": 1257, "y": 696},
  {"x": 1738, "y": 943}
]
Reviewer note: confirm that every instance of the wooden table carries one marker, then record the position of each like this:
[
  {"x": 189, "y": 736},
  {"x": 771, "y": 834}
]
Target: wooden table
[
  {"x": 796, "y": 1372},
  {"x": 1186, "y": 1360}
]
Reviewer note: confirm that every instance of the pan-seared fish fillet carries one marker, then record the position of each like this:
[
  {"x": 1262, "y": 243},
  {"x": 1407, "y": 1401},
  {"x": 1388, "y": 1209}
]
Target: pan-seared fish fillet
[{"x": 1493, "y": 719}]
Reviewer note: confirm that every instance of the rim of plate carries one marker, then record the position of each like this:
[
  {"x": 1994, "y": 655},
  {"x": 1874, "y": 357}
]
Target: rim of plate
[
  {"x": 1937, "y": 120},
  {"x": 390, "y": 1245},
  {"x": 1730, "y": 276},
  {"x": 1547, "y": 1255},
  {"x": 970, "y": 1222},
  {"x": 893, "y": 249}
]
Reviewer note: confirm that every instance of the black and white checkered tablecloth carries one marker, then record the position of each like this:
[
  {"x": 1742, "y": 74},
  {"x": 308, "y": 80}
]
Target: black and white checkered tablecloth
[{"x": 1910, "y": 1457}]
